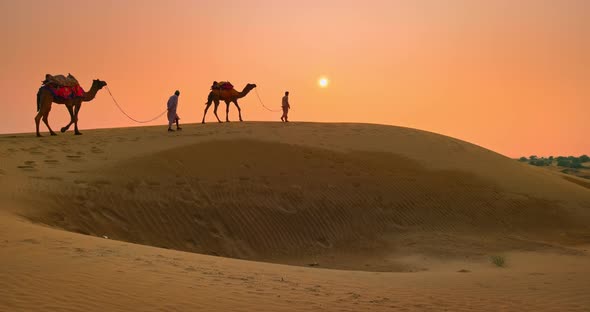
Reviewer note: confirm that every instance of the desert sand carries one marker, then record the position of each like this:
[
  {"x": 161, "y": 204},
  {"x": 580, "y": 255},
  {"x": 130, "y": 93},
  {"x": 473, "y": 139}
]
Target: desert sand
[{"x": 285, "y": 217}]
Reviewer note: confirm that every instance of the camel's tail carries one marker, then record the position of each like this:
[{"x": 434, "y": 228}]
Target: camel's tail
[{"x": 209, "y": 98}]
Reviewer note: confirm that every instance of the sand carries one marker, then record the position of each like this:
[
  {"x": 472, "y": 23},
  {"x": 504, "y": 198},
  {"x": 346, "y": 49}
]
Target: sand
[{"x": 285, "y": 217}]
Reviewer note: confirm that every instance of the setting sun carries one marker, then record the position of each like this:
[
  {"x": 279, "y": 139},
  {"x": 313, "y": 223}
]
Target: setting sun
[{"x": 323, "y": 82}]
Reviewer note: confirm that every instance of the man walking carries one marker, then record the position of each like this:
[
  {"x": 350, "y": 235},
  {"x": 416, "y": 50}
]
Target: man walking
[
  {"x": 286, "y": 107},
  {"x": 172, "y": 116}
]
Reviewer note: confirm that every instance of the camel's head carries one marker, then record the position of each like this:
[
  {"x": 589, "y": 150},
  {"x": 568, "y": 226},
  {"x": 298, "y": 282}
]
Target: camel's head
[
  {"x": 251, "y": 86},
  {"x": 99, "y": 83}
]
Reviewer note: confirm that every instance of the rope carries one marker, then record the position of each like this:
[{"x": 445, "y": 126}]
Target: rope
[
  {"x": 260, "y": 100},
  {"x": 124, "y": 113}
]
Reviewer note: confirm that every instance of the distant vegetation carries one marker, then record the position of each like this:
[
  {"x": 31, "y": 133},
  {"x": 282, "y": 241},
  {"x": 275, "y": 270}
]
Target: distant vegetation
[
  {"x": 560, "y": 161},
  {"x": 499, "y": 261}
]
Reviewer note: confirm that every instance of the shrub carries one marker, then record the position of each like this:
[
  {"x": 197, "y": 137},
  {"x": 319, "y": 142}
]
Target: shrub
[
  {"x": 523, "y": 159},
  {"x": 539, "y": 162},
  {"x": 499, "y": 261},
  {"x": 570, "y": 163},
  {"x": 584, "y": 158}
]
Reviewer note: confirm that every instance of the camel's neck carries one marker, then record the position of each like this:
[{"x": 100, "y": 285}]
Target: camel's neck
[
  {"x": 245, "y": 92},
  {"x": 91, "y": 94}
]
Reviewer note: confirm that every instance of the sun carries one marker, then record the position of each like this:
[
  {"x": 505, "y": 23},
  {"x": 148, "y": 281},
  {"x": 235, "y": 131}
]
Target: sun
[{"x": 323, "y": 82}]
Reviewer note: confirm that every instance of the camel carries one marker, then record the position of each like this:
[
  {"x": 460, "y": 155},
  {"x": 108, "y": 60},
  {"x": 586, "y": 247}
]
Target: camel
[
  {"x": 45, "y": 98},
  {"x": 228, "y": 96}
]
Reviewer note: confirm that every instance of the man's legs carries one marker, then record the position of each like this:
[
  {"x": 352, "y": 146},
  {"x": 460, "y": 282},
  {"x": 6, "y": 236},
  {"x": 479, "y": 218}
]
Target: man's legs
[{"x": 177, "y": 124}]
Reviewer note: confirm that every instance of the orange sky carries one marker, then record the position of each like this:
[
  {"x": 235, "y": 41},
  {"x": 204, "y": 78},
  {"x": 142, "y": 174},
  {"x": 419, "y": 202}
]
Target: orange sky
[{"x": 512, "y": 76}]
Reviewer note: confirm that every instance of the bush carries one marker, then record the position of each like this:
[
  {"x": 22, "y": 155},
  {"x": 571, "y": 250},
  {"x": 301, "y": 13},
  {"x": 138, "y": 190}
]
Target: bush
[
  {"x": 576, "y": 164},
  {"x": 499, "y": 261},
  {"x": 523, "y": 159},
  {"x": 539, "y": 162},
  {"x": 570, "y": 163},
  {"x": 584, "y": 158}
]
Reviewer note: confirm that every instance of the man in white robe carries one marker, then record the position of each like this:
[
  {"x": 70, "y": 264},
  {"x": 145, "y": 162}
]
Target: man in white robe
[
  {"x": 285, "y": 105},
  {"x": 172, "y": 116}
]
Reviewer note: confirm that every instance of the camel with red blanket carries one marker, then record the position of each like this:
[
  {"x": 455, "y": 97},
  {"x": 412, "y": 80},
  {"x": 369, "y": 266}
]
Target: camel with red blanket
[{"x": 63, "y": 92}]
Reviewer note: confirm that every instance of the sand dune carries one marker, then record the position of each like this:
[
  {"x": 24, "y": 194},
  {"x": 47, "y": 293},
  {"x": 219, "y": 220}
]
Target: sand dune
[{"x": 377, "y": 200}]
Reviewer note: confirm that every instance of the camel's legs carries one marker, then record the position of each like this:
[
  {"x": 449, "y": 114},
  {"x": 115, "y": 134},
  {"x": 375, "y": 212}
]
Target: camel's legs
[
  {"x": 76, "y": 111},
  {"x": 205, "y": 113},
  {"x": 239, "y": 109},
  {"x": 46, "y": 120},
  {"x": 71, "y": 111},
  {"x": 227, "y": 111},
  {"x": 215, "y": 110},
  {"x": 37, "y": 121},
  {"x": 44, "y": 105}
]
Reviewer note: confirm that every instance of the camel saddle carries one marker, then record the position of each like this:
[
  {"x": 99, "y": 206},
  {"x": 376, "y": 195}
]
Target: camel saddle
[
  {"x": 60, "y": 81},
  {"x": 63, "y": 87},
  {"x": 222, "y": 85}
]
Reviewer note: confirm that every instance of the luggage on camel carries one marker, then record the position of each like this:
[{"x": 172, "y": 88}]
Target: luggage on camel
[
  {"x": 223, "y": 85},
  {"x": 63, "y": 87},
  {"x": 61, "y": 81}
]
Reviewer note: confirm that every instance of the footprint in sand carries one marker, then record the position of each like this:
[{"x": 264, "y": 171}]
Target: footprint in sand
[
  {"x": 31, "y": 241},
  {"x": 52, "y": 161},
  {"x": 54, "y": 178},
  {"x": 96, "y": 150},
  {"x": 81, "y": 183},
  {"x": 28, "y": 166},
  {"x": 75, "y": 157},
  {"x": 100, "y": 183}
]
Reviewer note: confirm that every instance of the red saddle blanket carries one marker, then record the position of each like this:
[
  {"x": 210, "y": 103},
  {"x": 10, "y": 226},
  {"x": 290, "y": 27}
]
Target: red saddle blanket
[{"x": 67, "y": 92}]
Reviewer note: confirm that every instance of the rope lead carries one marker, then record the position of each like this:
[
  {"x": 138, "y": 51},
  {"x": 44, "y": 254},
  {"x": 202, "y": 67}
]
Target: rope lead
[{"x": 124, "y": 113}]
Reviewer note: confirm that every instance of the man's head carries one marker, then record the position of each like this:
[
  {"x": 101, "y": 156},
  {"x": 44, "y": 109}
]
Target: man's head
[
  {"x": 287, "y": 93},
  {"x": 177, "y": 93}
]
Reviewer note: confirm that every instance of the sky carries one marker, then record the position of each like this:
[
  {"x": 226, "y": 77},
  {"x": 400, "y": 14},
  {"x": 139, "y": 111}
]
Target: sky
[{"x": 511, "y": 76}]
